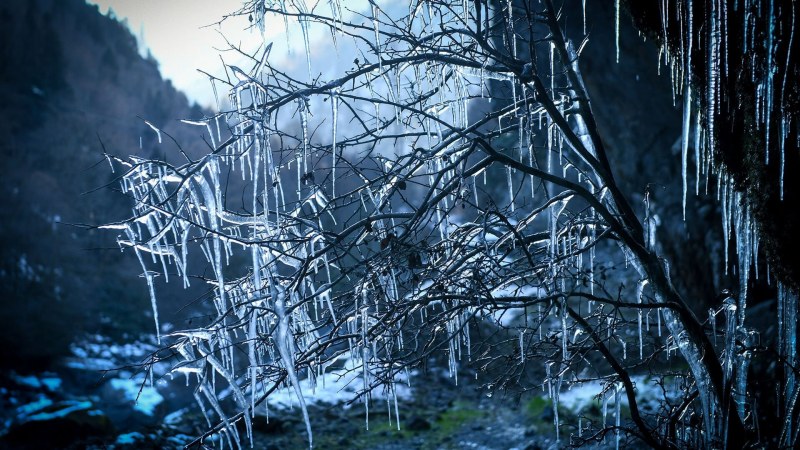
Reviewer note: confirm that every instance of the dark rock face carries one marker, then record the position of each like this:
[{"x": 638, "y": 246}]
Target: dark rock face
[
  {"x": 639, "y": 120},
  {"x": 418, "y": 423},
  {"x": 759, "y": 60}
]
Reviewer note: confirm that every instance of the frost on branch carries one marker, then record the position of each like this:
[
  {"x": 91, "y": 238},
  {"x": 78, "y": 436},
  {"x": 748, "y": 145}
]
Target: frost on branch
[{"x": 368, "y": 217}]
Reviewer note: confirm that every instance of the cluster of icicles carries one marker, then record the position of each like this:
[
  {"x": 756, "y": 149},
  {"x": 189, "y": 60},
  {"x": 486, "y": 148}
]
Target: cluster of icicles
[
  {"x": 279, "y": 324},
  {"x": 699, "y": 112},
  {"x": 177, "y": 207}
]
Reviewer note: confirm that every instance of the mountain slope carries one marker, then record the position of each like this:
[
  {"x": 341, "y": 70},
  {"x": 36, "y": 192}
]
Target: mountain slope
[{"x": 70, "y": 79}]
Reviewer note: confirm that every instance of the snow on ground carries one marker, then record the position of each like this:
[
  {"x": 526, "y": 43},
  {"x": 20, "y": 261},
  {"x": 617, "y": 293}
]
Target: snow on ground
[
  {"x": 39, "y": 404},
  {"x": 577, "y": 396},
  {"x": 97, "y": 352},
  {"x": 69, "y": 406},
  {"x": 48, "y": 381},
  {"x": 334, "y": 387},
  {"x": 146, "y": 398},
  {"x": 129, "y": 438}
]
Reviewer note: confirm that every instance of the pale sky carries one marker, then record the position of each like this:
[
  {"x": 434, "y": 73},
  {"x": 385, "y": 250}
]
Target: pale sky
[
  {"x": 175, "y": 34},
  {"x": 183, "y": 36}
]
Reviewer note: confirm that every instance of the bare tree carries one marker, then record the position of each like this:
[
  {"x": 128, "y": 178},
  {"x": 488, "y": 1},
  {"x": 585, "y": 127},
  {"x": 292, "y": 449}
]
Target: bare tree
[{"x": 385, "y": 218}]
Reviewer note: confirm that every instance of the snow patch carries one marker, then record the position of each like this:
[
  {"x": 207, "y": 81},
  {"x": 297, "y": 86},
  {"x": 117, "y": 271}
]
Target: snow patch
[
  {"x": 70, "y": 406},
  {"x": 52, "y": 384},
  {"x": 581, "y": 395},
  {"x": 28, "y": 380},
  {"x": 146, "y": 398},
  {"x": 129, "y": 438},
  {"x": 97, "y": 352},
  {"x": 39, "y": 404},
  {"x": 334, "y": 387}
]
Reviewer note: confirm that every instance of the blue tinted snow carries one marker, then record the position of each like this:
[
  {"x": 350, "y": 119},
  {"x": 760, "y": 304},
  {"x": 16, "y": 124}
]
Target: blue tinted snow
[
  {"x": 70, "y": 407},
  {"x": 129, "y": 438},
  {"x": 146, "y": 398}
]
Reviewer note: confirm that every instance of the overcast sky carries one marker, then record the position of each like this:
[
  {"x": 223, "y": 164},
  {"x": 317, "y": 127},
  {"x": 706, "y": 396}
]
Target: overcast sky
[
  {"x": 177, "y": 35},
  {"x": 184, "y": 35}
]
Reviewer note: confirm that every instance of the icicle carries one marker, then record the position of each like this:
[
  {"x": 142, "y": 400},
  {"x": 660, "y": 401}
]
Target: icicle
[
  {"x": 658, "y": 316},
  {"x": 335, "y": 114},
  {"x": 540, "y": 320},
  {"x": 510, "y": 189},
  {"x": 285, "y": 344},
  {"x": 552, "y": 82},
  {"x": 304, "y": 31},
  {"x": 229, "y": 430},
  {"x": 787, "y": 344},
  {"x": 301, "y": 171},
  {"x": 712, "y": 319},
  {"x": 617, "y": 411},
  {"x": 741, "y": 377},
  {"x": 377, "y": 34},
  {"x": 692, "y": 356},
  {"x": 784, "y": 127},
  {"x": 554, "y": 389},
  {"x": 713, "y": 72},
  {"x": 149, "y": 277},
  {"x": 640, "y": 294},
  {"x": 697, "y": 150},
  {"x": 687, "y": 112},
  {"x": 729, "y": 307},
  {"x": 564, "y": 335},
  {"x": 770, "y": 68},
  {"x": 511, "y": 33},
  {"x": 583, "y": 5},
  {"x": 785, "y": 121},
  {"x": 616, "y": 26}
]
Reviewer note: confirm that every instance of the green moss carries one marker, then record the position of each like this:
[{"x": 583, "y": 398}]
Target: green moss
[
  {"x": 380, "y": 432},
  {"x": 442, "y": 426},
  {"x": 539, "y": 410},
  {"x": 540, "y": 415},
  {"x": 539, "y": 407},
  {"x": 536, "y": 406},
  {"x": 455, "y": 417}
]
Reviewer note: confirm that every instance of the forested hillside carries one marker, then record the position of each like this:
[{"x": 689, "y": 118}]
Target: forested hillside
[{"x": 71, "y": 78}]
